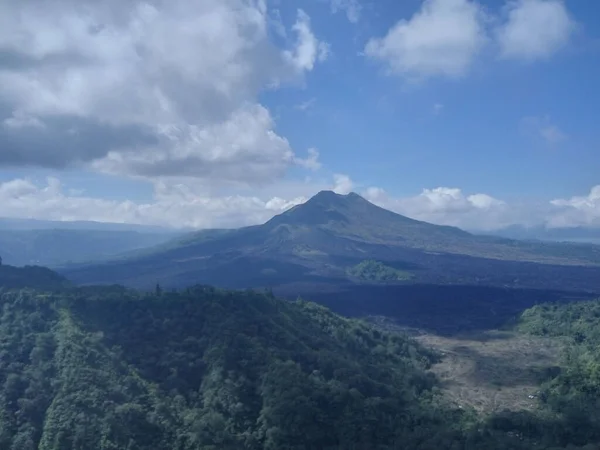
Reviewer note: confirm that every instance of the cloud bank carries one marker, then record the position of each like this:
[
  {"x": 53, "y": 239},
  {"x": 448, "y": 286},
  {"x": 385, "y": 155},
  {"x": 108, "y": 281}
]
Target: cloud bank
[
  {"x": 148, "y": 88},
  {"x": 178, "y": 204}
]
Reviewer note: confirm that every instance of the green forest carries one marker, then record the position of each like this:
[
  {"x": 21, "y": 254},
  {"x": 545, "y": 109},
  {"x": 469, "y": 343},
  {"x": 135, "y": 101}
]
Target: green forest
[
  {"x": 574, "y": 393},
  {"x": 201, "y": 368},
  {"x": 370, "y": 270}
]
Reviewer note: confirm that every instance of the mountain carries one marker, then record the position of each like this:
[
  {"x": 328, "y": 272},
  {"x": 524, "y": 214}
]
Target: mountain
[
  {"x": 323, "y": 241},
  {"x": 55, "y": 247}
]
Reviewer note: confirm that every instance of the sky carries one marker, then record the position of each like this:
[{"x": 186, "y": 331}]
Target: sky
[{"x": 222, "y": 113}]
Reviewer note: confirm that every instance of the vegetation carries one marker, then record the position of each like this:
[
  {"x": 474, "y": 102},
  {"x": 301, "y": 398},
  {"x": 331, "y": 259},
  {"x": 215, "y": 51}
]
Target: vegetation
[
  {"x": 30, "y": 277},
  {"x": 371, "y": 270},
  {"x": 110, "y": 368},
  {"x": 202, "y": 368},
  {"x": 574, "y": 394}
]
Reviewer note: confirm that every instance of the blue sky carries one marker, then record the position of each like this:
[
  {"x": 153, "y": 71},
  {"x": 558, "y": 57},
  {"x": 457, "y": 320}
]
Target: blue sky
[{"x": 471, "y": 113}]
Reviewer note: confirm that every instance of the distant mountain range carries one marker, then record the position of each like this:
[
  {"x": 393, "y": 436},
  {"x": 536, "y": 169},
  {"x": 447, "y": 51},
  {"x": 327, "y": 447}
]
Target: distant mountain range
[
  {"x": 59, "y": 246},
  {"x": 574, "y": 234},
  {"x": 7, "y": 223},
  {"x": 342, "y": 240}
]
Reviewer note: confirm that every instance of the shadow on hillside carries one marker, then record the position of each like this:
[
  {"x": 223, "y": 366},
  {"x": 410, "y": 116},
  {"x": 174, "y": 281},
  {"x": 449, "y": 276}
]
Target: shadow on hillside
[{"x": 445, "y": 310}]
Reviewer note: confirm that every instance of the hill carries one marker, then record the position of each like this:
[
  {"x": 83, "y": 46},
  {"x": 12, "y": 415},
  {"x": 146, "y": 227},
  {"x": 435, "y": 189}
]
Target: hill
[
  {"x": 203, "y": 368},
  {"x": 55, "y": 247},
  {"x": 318, "y": 242},
  {"x": 30, "y": 277}
]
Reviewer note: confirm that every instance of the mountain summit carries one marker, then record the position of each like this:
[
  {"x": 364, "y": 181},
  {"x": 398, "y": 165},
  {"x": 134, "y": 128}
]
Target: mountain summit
[
  {"x": 354, "y": 217},
  {"x": 334, "y": 238},
  {"x": 327, "y": 206}
]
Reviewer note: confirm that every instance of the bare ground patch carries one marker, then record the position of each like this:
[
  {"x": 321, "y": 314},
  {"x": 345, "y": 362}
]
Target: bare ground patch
[
  {"x": 490, "y": 371},
  {"x": 493, "y": 371}
]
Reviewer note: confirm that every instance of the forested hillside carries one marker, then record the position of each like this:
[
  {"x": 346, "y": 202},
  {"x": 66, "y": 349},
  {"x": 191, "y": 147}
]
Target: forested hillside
[
  {"x": 202, "y": 368},
  {"x": 114, "y": 369},
  {"x": 30, "y": 277},
  {"x": 575, "y": 393}
]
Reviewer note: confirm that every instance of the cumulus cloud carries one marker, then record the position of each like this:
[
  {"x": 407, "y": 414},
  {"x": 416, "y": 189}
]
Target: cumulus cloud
[
  {"x": 146, "y": 87},
  {"x": 444, "y": 37},
  {"x": 441, "y": 39},
  {"x": 482, "y": 212},
  {"x": 242, "y": 149},
  {"x": 181, "y": 202},
  {"x": 535, "y": 29},
  {"x": 173, "y": 205},
  {"x": 352, "y": 8},
  {"x": 577, "y": 211},
  {"x": 311, "y": 162},
  {"x": 308, "y": 49},
  {"x": 448, "y": 206},
  {"x": 343, "y": 184}
]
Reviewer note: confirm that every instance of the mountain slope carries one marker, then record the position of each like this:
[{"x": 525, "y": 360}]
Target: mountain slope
[
  {"x": 30, "y": 277},
  {"x": 321, "y": 239}
]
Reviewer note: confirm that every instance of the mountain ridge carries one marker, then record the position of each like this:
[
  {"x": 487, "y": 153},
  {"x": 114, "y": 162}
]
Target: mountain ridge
[
  {"x": 324, "y": 237},
  {"x": 57, "y": 246}
]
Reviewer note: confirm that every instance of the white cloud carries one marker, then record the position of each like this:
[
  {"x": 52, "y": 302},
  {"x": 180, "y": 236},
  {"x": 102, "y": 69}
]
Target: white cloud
[
  {"x": 342, "y": 184},
  {"x": 437, "y": 109},
  {"x": 543, "y": 128},
  {"x": 482, "y": 212},
  {"x": 173, "y": 205},
  {"x": 166, "y": 88},
  {"x": 441, "y": 39},
  {"x": 190, "y": 203},
  {"x": 184, "y": 204},
  {"x": 448, "y": 206},
  {"x": 308, "y": 49},
  {"x": 577, "y": 211},
  {"x": 535, "y": 29},
  {"x": 181, "y": 202},
  {"x": 352, "y": 8},
  {"x": 242, "y": 149},
  {"x": 311, "y": 162}
]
